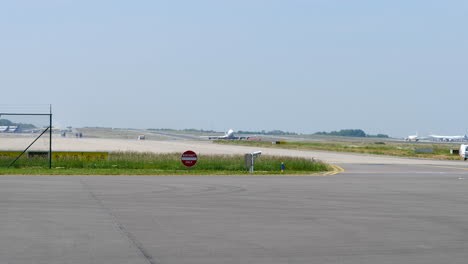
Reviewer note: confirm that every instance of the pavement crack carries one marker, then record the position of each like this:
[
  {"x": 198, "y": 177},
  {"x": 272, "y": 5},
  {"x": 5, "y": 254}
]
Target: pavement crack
[{"x": 121, "y": 228}]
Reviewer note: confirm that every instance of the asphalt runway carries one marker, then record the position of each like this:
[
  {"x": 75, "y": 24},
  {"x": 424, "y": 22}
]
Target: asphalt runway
[{"x": 370, "y": 213}]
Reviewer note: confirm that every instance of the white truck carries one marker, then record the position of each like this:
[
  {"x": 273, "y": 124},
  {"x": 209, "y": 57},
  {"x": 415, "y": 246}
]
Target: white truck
[{"x": 464, "y": 151}]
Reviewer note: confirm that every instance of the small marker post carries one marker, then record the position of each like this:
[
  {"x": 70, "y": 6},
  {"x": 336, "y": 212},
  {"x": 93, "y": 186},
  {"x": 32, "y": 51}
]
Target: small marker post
[{"x": 282, "y": 167}]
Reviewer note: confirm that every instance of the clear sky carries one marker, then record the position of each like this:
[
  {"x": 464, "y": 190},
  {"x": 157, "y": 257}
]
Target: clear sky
[{"x": 393, "y": 67}]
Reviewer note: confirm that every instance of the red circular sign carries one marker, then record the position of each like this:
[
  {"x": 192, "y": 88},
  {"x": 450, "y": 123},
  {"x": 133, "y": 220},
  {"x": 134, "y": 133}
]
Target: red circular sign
[{"x": 189, "y": 158}]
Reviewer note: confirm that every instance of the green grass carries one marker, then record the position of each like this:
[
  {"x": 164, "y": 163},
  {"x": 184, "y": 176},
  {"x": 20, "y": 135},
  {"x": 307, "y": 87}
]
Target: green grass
[
  {"x": 135, "y": 163},
  {"x": 441, "y": 151}
]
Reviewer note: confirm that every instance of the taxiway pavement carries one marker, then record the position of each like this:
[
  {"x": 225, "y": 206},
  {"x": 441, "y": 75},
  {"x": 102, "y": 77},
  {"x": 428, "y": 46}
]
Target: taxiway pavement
[{"x": 370, "y": 213}]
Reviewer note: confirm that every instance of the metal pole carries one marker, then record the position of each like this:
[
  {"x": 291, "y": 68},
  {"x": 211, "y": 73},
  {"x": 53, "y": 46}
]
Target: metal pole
[
  {"x": 50, "y": 138},
  {"x": 50, "y": 134},
  {"x": 24, "y": 151},
  {"x": 23, "y": 114},
  {"x": 252, "y": 166}
]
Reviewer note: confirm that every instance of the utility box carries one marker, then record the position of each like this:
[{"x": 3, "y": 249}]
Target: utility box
[
  {"x": 278, "y": 142},
  {"x": 463, "y": 151},
  {"x": 250, "y": 160},
  {"x": 423, "y": 150}
]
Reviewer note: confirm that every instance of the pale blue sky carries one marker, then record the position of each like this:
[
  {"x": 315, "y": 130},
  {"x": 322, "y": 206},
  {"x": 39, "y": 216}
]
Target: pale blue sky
[{"x": 393, "y": 67}]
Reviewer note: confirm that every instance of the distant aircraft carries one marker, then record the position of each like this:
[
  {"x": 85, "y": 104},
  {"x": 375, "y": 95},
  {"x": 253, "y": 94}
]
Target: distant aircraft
[
  {"x": 414, "y": 138},
  {"x": 448, "y": 138},
  {"x": 228, "y": 135}
]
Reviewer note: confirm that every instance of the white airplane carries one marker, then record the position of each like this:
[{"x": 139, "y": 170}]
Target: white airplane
[
  {"x": 414, "y": 138},
  {"x": 448, "y": 138},
  {"x": 228, "y": 135}
]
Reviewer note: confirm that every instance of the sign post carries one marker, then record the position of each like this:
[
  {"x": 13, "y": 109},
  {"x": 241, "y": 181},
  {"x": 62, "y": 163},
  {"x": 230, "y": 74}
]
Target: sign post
[
  {"x": 189, "y": 158},
  {"x": 48, "y": 128},
  {"x": 250, "y": 160}
]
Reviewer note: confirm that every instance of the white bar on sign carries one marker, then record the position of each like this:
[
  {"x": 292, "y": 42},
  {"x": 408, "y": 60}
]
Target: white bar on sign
[{"x": 188, "y": 158}]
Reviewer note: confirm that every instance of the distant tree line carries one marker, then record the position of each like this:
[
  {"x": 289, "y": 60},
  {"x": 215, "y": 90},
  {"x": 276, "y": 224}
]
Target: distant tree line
[
  {"x": 198, "y": 130},
  {"x": 341, "y": 133},
  {"x": 183, "y": 130},
  {"x": 350, "y": 133},
  {"x": 263, "y": 132},
  {"x": 6, "y": 122}
]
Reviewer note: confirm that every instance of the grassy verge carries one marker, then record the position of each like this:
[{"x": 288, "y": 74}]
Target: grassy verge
[
  {"x": 441, "y": 151},
  {"x": 133, "y": 163}
]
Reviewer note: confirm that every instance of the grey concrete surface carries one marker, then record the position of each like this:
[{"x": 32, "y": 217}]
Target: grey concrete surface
[
  {"x": 371, "y": 213},
  {"x": 207, "y": 147}
]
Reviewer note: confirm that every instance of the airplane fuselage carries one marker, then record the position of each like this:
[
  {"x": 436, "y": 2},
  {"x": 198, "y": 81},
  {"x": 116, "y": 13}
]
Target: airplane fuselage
[{"x": 228, "y": 135}]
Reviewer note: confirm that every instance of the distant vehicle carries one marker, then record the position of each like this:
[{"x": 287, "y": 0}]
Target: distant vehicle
[
  {"x": 464, "y": 151},
  {"x": 449, "y": 138},
  {"x": 228, "y": 135},
  {"x": 414, "y": 138}
]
